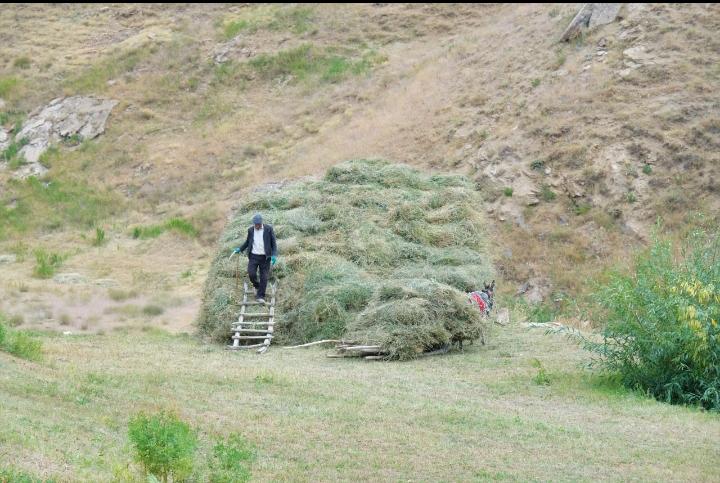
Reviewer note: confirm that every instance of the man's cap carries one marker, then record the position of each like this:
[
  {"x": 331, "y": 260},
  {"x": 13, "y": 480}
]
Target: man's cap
[{"x": 257, "y": 219}]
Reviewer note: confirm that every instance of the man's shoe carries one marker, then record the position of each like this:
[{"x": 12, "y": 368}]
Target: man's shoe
[{"x": 261, "y": 300}]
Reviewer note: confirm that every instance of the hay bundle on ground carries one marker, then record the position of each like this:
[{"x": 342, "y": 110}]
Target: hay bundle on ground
[{"x": 375, "y": 252}]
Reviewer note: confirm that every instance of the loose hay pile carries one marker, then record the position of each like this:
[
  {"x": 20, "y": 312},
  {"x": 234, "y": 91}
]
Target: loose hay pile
[{"x": 376, "y": 253}]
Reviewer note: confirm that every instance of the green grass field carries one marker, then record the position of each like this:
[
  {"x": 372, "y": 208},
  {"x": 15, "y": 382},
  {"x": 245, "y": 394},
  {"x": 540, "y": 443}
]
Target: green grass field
[{"x": 479, "y": 415}]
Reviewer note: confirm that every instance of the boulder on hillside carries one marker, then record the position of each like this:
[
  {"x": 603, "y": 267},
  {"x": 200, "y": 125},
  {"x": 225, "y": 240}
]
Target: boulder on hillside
[
  {"x": 63, "y": 118},
  {"x": 591, "y": 15}
]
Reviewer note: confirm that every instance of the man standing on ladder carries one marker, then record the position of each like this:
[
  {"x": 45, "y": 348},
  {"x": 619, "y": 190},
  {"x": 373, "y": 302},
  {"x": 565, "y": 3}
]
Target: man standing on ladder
[{"x": 262, "y": 252}]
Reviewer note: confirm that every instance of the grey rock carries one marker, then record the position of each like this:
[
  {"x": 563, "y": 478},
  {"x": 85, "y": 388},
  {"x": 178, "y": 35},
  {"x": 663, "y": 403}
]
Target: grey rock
[
  {"x": 30, "y": 169},
  {"x": 106, "y": 282},
  {"x": 7, "y": 259},
  {"x": 62, "y": 118},
  {"x": 69, "y": 278},
  {"x": 590, "y": 16},
  {"x": 4, "y": 139}
]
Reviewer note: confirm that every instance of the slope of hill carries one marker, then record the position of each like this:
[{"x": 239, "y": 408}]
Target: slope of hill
[{"x": 576, "y": 147}]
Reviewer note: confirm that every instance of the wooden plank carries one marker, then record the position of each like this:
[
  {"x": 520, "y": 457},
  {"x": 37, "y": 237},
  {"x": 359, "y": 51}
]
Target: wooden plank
[
  {"x": 258, "y": 314},
  {"x": 252, "y": 323},
  {"x": 253, "y": 346},
  {"x": 326, "y": 341},
  {"x": 251, "y": 337},
  {"x": 262, "y": 331}
]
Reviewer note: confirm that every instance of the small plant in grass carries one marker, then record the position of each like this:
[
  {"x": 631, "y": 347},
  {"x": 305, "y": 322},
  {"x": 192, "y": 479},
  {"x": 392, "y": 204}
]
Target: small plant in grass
[
  {"x": 535, "y": 82},
  {"x": 7, "y": 85},
  {"x": 231, "y": 460},
  {"x": 541, "y": 378},
  {"x": 647, "y": 169},
  {"x": 537, "y": 165},
  {"x": 179, "y": 225},
  {"x": 547, "y": 193},
  {"x": 19, "y": 343},
  {"x": 12, "y": 475},
  {"x": 662, "y": 332},
  {"x": 582, "y": 208},
  {"x": 22, "y": 62},
  {"x": 508, "y": 191},
  {"x": 99, "y": 239},
  {"x": 152, "y": 310},
  {"x": 631, "y": 197},
  {"x": 163, "y": 444},
  {"x": 46, "y": 263}
]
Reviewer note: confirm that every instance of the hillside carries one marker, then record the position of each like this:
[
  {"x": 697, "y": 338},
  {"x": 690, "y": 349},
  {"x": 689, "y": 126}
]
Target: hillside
[{"x": 576, "y": 153}]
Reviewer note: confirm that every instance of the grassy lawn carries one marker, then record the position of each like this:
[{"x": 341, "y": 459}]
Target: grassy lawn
[{"x": 477, "y": 415}]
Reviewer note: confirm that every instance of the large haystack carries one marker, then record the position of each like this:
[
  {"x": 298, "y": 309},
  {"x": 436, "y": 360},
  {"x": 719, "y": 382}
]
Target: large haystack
[{"x": 375, "y": 252}]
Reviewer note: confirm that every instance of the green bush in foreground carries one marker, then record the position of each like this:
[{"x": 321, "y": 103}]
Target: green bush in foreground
[
  {"x": 163, "y": 444},
  {"x": 662, "y": 334},
  {"x": 375, "y": 252}
]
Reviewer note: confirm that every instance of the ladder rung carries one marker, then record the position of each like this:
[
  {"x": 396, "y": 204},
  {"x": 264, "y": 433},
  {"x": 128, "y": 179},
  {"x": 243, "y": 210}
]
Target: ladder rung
[
  {"x": 262, "y": 331},
  {"x": 258, "y": 303},
  {"x": 251, "y": 337},
  {"x": 258, "y": 314}
]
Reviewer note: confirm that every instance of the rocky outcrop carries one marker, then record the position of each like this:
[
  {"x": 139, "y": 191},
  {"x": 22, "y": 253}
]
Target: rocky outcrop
[
  {"x": 63, "y": 118},
  {"x": 591, "y": 15},
  {"x": 4, "y": 139}
]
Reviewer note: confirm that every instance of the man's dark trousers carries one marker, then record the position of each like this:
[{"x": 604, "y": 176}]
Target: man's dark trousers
[{"x": 261, "y": 262}]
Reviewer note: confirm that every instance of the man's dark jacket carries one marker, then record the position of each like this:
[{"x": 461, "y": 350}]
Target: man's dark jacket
[{"x": 268, "y": 241}]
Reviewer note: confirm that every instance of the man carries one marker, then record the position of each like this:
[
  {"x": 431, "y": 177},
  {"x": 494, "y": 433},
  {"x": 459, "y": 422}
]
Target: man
[{"x": 262, "y": 252}]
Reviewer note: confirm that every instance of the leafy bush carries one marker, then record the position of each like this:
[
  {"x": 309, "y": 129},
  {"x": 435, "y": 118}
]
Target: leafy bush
[
  {"x": 163, "y": 444},
  {"x": 662, "y": 334},
  {"x": 230, "y": 461}
]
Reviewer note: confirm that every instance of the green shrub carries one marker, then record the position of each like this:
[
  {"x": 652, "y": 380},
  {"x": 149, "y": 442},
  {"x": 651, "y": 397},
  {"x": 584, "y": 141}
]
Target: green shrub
[
  {"x": 19, "y": 343},
  {"x": 46, "y": 263},
  {"x": 176, "y": 224},
  {"x": 12, "y": 475},
  {"x": 7, "y": 85},
  {"x": 647, "y": 169},
  {"x": 22, "y": 62},
  {"x": 152, "y": 310},
  {"x": 231, "y": 459},
  {"x": 582, "y": 208},
  {"x": 508, "y": 191},
  {"x": 535, "y": 82},
  {"x": 547, "y": 193},
  {"x": 662, "y": 334},
  {"x": 99, "y": 237},
  {"x": 541, "y": 378},
  {"x": 537, "y": 165},
  {"x": 163, "y": 444}
]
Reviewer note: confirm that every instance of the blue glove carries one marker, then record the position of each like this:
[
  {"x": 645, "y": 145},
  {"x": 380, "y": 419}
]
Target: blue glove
[
  {"x": 237, "y": 250},
  {"x": 273, "y": 259}
]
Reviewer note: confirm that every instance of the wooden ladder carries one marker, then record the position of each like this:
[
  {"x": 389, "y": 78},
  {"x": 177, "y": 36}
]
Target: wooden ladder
[{"x": 252, "y": 327}]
